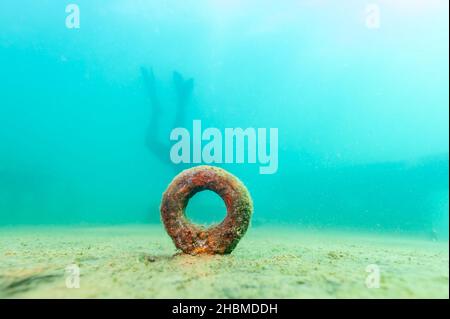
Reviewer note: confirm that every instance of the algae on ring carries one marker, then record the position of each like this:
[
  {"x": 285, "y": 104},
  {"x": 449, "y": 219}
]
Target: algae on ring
[{"x": 195, "y": 239}]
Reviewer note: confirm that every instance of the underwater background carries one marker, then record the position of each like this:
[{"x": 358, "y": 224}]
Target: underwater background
[{"x": 362, "y": 112}]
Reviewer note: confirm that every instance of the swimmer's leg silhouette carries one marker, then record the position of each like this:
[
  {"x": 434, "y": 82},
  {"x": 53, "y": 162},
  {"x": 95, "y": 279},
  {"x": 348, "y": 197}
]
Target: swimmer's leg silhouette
[
  {"x": 152, "y": 140},
  {"x": 183, "y": 92}
]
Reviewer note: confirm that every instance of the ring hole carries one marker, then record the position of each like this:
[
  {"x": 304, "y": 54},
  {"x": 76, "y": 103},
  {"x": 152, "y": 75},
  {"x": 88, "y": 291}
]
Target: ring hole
[{"x": 206, "y": 208}]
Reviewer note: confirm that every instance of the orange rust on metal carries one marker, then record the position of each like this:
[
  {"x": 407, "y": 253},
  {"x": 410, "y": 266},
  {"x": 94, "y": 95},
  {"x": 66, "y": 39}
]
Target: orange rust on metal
[{"x": 196, "y": 239}]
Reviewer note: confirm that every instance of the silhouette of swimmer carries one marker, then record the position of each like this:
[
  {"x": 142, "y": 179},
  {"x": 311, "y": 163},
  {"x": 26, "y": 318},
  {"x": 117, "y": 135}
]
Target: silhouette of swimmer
[{"x": 183, "y": 90}]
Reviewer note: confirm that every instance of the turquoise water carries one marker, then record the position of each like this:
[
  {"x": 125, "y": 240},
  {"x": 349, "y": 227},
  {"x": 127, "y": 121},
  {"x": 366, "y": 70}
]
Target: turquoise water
[{"x": 361, "y": 109}]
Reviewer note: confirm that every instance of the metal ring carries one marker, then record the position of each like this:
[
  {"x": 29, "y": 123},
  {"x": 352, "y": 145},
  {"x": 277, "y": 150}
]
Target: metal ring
[{"x": 196, "y": 239}]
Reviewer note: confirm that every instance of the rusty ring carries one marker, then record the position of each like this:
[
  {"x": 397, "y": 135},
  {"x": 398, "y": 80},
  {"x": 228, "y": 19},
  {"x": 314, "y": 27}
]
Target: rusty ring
[{"x": 195, "y": 239}]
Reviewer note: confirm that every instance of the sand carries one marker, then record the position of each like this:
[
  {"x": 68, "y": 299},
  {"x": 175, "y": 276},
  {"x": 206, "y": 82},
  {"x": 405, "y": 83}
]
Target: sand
[{"x": 270, "y": 262}]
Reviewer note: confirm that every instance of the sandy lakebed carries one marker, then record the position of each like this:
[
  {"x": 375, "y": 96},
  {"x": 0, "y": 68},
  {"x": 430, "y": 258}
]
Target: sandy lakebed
[{"x": 140, "y": 261}]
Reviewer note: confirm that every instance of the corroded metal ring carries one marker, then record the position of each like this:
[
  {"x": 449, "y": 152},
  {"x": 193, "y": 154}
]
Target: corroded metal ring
[{"x": 195, "y": 239}]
